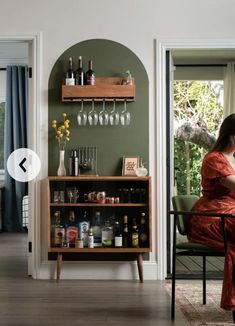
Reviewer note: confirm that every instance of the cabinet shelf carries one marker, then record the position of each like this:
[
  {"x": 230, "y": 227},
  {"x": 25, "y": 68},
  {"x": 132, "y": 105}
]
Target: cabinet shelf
[
  {"x": 97, "y": 205},
  {"x": 101, "y": 250},
  {"x": 106, "y": 88}
]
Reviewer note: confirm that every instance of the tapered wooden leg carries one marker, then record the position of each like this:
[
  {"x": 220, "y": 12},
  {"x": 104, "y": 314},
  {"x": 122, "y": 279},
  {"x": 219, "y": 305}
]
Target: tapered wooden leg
[
  {"x": 59, "y": 264},
  {"x": 140, "y": 267}
]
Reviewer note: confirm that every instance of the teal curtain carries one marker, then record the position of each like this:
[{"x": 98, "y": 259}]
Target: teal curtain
[{"x": 15, "y": 136}]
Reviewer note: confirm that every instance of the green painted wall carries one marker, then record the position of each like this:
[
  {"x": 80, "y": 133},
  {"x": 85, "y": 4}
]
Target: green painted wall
[{"x": 109, "y": 59}]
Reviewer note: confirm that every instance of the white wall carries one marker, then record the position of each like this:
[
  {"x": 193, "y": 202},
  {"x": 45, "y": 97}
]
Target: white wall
[{"x": 135, "y": 24}]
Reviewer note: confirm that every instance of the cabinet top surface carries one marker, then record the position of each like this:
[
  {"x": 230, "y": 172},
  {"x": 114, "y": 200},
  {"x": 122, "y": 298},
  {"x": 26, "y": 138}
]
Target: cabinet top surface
[{"x": 99, "y": 178}]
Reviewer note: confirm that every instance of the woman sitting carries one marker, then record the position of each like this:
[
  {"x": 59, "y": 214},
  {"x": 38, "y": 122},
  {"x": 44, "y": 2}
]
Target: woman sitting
[{"x": 218, "y": 195}]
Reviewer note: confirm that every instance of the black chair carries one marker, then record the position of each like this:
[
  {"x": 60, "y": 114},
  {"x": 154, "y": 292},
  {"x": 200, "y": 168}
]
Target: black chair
[{"x": 182, "y": 205}]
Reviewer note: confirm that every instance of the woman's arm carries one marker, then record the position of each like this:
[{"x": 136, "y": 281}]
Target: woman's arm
[{"x": 229, "y": 182}]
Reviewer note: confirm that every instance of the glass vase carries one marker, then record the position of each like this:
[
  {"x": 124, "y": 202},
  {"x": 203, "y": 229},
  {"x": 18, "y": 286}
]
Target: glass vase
[{"x": 61, "y": 169}]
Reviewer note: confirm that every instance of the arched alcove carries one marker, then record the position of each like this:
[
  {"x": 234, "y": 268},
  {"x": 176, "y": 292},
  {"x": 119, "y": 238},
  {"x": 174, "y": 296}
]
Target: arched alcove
[{"x": 113, "y": 142}]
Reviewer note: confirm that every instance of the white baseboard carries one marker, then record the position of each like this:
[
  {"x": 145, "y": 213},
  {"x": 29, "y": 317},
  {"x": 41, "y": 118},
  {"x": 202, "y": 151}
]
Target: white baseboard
[{"x": 98, "y": 270}]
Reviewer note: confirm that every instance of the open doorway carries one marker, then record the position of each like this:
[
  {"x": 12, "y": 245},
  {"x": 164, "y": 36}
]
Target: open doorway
[
  {"x": 163, "y": 125},
  {"x": 197, "y": 104},
  {"x": 14, "y": 60}
]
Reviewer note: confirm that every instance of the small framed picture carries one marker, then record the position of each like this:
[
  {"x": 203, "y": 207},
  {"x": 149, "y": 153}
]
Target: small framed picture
[{"x": 129, "y": 165}]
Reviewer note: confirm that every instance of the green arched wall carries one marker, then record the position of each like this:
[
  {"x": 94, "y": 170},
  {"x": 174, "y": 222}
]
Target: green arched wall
[{"x": 109, "y": 59}]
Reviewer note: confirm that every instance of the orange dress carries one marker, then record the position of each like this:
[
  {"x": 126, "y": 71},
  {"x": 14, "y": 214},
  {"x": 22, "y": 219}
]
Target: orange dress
[{"x": 207, "y": 230}]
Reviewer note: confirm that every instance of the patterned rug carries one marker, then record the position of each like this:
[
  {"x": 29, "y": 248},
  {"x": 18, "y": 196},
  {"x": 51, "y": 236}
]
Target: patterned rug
[{"x": 189, "y": 299}]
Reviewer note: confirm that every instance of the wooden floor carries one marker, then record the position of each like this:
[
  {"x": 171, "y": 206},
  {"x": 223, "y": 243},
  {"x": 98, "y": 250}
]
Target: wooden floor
[{"x": 28, "y": 302}]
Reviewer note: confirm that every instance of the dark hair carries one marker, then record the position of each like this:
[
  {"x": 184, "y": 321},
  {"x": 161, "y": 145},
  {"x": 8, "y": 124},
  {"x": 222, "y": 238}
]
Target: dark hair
[{"x": 226, "y": 139}]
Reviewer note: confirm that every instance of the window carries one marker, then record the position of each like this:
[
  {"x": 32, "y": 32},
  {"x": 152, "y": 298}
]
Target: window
[{"x": 199, "y": 104}]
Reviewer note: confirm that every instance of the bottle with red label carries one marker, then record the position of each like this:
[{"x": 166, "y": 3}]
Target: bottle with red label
[{"x": 90, "y": 74}]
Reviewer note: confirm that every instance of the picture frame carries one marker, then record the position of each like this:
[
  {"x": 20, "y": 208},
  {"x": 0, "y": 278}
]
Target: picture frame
[{"x": 129, "y": 165}]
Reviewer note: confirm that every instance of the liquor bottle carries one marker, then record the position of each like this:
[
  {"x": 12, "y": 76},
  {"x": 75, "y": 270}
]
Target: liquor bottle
[
  {"x": 97, "y": 230},
  {"x": 74, "y": 163},
  {"x": 72, "y": 230},
  {"x": 79, "y": 77},
  {"x": 90, "y": 74},
  {"x": 117, "y": 235},
  {"x": 107, "y": 234},
  {"x": 59, "y": 231},
  {"x": 90, "y": 238},
  {"x": 66, "y": 237},
  {"x": 69, "y": 77},
  {"x": 134, "y": 235},
  {"x": 143, "y": 234},
  {"x": 125, "y": 232},
  {"x": 84, "y": 225}
]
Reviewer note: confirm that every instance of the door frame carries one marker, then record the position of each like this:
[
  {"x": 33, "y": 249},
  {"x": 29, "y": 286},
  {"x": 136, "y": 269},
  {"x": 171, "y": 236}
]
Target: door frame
[
  {"x": 161, "y": 46},
  {"x": 34, "y": 121}
]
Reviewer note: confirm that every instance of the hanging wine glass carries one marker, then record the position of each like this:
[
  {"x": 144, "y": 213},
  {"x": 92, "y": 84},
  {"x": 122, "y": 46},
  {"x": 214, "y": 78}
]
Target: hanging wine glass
[
  {"x": 125, "y": 116},
  {"x": 103, "y": 116},
  {"x": 93, "y": 115},
  {"x": 114, "y": 115},
  {"x": 82, "y": 116}
]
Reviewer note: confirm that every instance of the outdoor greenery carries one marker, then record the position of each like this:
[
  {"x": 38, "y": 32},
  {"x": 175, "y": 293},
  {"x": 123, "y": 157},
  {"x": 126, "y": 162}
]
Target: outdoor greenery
[
  {"x": 2, "y": 113},
  {"x": 201, "y": 104}
]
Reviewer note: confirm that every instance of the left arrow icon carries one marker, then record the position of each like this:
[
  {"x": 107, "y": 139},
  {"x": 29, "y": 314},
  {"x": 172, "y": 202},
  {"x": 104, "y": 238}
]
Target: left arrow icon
[{"x": 21, "y": 164}]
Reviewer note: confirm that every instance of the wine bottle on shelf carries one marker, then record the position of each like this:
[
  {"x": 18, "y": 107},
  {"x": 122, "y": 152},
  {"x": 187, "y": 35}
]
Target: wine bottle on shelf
[
  {"x": 79, "y": 76},
  {"x": 69, "y": 77},
  {"x": 117, "y": 235},
  {"x": 90, "y": 74},
  {"x": 143, "y": 234},
  {"x": 125, "y": 235},
  {"x": 134, "y": 235}
]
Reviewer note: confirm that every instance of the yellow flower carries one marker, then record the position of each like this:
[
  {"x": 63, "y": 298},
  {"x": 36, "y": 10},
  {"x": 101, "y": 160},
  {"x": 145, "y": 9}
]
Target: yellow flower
[{"x": 61, "y": 132}]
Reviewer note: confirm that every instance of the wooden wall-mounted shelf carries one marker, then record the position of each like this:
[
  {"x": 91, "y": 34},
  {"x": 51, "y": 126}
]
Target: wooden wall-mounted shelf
[{"x": 106, "y": 88}]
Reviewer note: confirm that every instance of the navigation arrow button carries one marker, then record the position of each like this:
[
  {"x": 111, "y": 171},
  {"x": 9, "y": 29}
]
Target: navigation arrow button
[{"x": 21, "y": 164}]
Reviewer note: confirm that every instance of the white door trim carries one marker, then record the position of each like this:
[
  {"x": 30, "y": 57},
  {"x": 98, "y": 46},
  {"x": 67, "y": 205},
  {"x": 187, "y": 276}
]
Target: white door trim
[
  {"x": 35, "y": 40},
  {"x": 160, "y": 124}
]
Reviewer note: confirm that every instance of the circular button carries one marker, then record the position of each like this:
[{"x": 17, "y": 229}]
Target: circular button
[{"x": 23, "y": 165}]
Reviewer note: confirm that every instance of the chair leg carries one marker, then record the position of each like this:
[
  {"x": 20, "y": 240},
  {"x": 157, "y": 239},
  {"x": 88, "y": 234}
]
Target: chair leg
[
  {"x": 204, "y": 279},
  {"x": 233, "y": 312}
]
